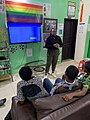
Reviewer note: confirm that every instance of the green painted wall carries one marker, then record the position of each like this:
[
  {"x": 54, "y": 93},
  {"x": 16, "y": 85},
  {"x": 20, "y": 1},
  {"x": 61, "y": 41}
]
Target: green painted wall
[
  {"x": 19, "y": 57},
  {"x": 87, "y": 44}
]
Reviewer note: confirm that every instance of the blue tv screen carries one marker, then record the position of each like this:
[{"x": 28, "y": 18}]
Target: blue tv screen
[{"x": 20, "y": 33}]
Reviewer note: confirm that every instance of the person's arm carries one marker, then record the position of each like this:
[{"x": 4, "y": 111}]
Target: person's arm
[
  {"x": 77, "y": 93},
  {"x": 48, "y": 43},
  {"x": 60, "y": 42},
  {"x": 60, "y": 89},
  {"x": 20, "y": 96},
  {"x": 21, "y": 102}
]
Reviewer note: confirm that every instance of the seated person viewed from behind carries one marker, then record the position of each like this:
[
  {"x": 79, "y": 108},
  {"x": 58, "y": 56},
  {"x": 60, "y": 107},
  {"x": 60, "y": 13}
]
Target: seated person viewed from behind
[
  {"x": 85, "y": 80},
  {"x": 29, "y": 87},
  {"x": 67, "y": 83}
]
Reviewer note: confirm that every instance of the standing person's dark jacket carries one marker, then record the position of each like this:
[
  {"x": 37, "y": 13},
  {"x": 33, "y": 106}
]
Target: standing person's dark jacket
[{"x": 51, "y": 40}]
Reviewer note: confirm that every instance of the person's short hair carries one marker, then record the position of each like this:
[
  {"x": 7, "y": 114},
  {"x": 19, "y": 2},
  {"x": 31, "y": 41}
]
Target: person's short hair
[
  {"x": 72, "y": 72},
  {"x": 25, "y": 73},
  {"x": 87, "y": 66}
]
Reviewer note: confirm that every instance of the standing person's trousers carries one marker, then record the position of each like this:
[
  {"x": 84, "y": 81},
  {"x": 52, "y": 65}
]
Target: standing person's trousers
[{"x": 52, "y": 58}]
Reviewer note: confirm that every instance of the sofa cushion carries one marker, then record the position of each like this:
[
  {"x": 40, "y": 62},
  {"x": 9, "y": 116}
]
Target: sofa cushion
[{"x": 47, "y": 105}]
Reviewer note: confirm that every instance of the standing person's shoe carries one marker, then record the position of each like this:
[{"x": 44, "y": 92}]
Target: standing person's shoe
[
  {"x": 53, "y": 75},
  {"x": 2, "y": 101},
  {"x": 49, "y": 73}
]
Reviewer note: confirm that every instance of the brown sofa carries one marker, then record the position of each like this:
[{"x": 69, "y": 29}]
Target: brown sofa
[{"x": 52, "y": 108}]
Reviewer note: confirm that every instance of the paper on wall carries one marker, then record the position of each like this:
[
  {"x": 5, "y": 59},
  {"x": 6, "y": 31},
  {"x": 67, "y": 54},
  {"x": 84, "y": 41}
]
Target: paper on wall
[
  {"x": 60, "y": 29},
  {"x": 88, "y": 27},
  {"x": 46, "y": 10},
  {"x": 29, "y": 52}
]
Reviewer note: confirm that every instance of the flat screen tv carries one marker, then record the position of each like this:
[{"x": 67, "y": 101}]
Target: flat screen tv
[{"x": 21, "y": 33}]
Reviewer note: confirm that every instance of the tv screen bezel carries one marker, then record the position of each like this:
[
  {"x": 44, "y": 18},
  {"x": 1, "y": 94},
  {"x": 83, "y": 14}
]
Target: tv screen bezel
[{"x": 22, "y": 42}]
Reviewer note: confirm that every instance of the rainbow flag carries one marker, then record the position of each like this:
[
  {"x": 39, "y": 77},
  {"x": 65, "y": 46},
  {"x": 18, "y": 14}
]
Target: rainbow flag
[{"x": 23, "y": 12}]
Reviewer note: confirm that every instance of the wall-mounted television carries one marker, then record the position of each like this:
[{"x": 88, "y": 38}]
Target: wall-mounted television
[{"x": 21, "y": 33}]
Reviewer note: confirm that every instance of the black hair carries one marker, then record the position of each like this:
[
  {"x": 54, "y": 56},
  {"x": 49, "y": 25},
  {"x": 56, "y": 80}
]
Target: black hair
[
  {"x": 72, "y": 72},
  {"x": 87, "y": 66},
  {"x": 25, "y": 73}
]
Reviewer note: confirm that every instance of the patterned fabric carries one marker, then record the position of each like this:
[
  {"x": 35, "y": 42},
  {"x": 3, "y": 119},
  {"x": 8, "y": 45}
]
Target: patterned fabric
[
  {"x": 31, "y": 89},
  {"x": 66, "y": 85},
  {"x": 85, "y": 79}
]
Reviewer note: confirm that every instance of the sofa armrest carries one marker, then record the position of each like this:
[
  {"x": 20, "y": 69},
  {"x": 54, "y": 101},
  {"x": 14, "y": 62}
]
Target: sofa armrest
[{"x": 22, "y": 112}]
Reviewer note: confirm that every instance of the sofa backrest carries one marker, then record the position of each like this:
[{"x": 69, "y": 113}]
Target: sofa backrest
[
  {"x": 45, "y": 106},
  {"x": 78, "y": 110}
]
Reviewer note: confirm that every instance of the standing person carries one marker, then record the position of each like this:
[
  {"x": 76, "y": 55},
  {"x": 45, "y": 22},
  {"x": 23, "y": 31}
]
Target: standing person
[{"x": 52, "y": 44}]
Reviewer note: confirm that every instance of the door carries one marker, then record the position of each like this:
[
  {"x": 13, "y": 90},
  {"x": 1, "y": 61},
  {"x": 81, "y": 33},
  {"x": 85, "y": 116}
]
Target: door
[{"x": 69, "y": 38}]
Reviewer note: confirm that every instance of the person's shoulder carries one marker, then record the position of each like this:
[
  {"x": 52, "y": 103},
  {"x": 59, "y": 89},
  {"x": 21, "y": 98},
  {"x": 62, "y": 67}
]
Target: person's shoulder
[
  {"x": 49, "y": 37},
  {"x": 58, "y": 36},
  {"x": 20, "y": 82},
  {"x": 37, "y": 78}
]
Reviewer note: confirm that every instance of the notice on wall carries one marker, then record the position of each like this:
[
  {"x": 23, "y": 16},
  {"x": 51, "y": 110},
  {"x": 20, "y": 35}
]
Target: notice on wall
[
  {"x": 2, "y": 6},
  {"x": 29, "y": 52},
  {"x": 81, "y": 27},
  {"x": 88, "y": 27},
  {"x": 71, "y": 9},
  {"x": 46, "y": 10},
  {"x": 60, "y": 29}
]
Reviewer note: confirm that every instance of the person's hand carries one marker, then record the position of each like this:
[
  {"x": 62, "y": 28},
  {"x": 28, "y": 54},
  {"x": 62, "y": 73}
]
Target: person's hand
[
  {"x": 56, "y": 45},
  {"x": 67, "y": 97}
]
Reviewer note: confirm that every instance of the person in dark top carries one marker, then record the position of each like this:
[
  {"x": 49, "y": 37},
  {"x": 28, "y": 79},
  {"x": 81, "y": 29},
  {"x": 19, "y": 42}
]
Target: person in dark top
[{"x": 53, "y": 43}]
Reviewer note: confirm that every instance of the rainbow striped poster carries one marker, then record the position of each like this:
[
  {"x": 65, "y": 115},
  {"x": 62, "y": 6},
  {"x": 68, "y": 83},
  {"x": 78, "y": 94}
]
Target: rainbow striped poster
[{"x": 23, "y": 12}]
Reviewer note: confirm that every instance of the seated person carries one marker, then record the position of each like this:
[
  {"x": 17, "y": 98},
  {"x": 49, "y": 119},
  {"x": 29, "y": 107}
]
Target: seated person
[
  {"x": 85, "y": 79},
  {"x": 29, "y": 87},
  {"x": 2, "y": 101},
  {"x": 68, "y": 83}
]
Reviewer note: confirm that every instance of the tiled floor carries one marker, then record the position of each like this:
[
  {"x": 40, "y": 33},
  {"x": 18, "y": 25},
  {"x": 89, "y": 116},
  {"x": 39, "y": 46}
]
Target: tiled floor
[{"x": 8, "y": 88}]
